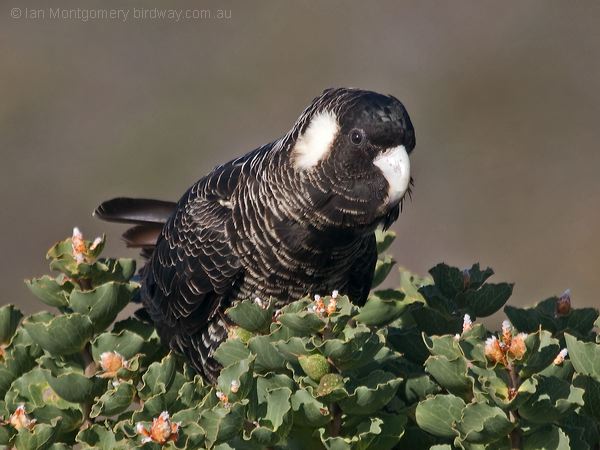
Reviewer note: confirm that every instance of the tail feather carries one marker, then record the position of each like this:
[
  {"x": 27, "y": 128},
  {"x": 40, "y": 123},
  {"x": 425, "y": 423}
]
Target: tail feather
[
  {"x": 135, "y": 210},
  {"x": 142, "y": 236},
  {"x": 148, "y": 216}
]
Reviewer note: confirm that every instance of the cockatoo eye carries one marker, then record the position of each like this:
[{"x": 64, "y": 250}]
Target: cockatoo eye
[{"x": 357, "y": 136}]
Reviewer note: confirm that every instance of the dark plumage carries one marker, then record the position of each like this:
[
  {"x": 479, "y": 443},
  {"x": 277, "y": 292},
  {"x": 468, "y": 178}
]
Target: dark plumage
[{"x": 293, "y": 217}]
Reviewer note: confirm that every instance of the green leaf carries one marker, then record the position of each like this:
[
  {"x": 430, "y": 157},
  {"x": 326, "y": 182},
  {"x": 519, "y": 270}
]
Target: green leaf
[
  {"x": 231, "y": 351},
  {"x": 98, "y": 437},
  {"x": 486, "y": 300},
  {"x": 292, "y": 348},
  {"x": 384, "y": 239},
  {"x": 482, "y": 423},
  {"x": 240, "y": 374},
  {"x": 451, "y": 374},
  {"x": 114, "y": 401},
  {"x": 9, "y": 321},
  {"x": 31, "y": 389},
  {"x": 303, "y": 323},
  {"x": 585, "y": 356},
  {"x": 409, "y": 342},
  {"x": 63, "y": 335},
  {"x": 192, "y": 392},
  {"x": 371, "y": 394},
  {"x": 158, "y": 378},
  {"x": 366, "y": 433},
  {"x": 6, "y": 435},
  {"x": 192, "y": 436},
  {"x": 582, "y": 431},
  {"x": 251, "y": 316},
  {"x": 417, "y": 387},
  {"x": 41, "y": 438},
  {"x": 439, "y": 415},
  {"x": 105, "y": 270},
  {"x": 70, "y": 418},
  {"x": 548, "y": 437},
  {"x": 221, "y": 424},
  {"x": 410, "y": 285},
  {"x": 102, "y": 304},
  {"x": 382, "y": 307},
  {"x": 476, "y": 276},
  {"x": 270, "y": 382},
  {"x": 591, "y": 396},
  {"x": 52, "y": 291},
  {"x": 531, "y": 319},
  {"x": 416, "y": 439},
  {"x": 392, "y": 430},
  {"x": 75, "y": 387},
  {"x": 542, "y": 348},
  {"x": 554, "y": 398},
  {"x": 18, "y": 359},
  {"x": 446, "y": 346},
  {"x": 357, "y": 349},
  {"x": 165, "y": 399},
  {"x": 267, "y": 356},
  {"x": 278, "y": 406},
  {"x": 432, "y": 321},
  {"x": 383, "y": 266},
  {"x": 126, "y": 343},
  {"x": 308, "y": 411},
  {"x": 449, "y": 280},
  {"x": 580, "y": 321}
]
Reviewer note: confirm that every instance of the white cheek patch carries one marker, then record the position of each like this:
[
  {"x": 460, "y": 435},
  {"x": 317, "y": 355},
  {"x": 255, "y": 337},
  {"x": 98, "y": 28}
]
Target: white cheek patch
[
  {"x": 316, "y": 140},
  {"x": 395, "y": 166}
]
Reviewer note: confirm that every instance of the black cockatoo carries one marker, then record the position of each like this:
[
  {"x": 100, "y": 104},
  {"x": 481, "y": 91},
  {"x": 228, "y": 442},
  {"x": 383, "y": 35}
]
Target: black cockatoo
[{"x": 293, "y": 217}]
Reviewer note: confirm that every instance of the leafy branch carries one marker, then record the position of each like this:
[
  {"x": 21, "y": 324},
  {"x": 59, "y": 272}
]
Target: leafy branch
[{"x": 413, "y": 368}]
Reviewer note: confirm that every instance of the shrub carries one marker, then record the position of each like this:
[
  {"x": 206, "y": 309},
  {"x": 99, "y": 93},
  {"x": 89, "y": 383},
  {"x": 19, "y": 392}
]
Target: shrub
[{"x": 411, "y": 369}]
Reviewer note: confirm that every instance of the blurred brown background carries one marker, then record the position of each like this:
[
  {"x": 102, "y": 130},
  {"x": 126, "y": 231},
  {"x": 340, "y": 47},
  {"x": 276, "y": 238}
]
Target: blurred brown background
[{"x": 504, "y": 96}]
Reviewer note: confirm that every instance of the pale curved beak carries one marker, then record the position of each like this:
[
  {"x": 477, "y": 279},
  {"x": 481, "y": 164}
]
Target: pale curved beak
[{"x": 394, "y": 163}]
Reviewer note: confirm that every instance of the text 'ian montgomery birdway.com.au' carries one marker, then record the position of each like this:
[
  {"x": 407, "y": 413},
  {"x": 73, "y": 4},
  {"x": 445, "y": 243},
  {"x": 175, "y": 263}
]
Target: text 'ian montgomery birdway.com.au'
[{"x": 119, "y": 14}]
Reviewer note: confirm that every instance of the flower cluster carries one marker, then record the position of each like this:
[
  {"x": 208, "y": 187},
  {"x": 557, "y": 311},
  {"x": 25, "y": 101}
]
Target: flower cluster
[
  {"x": 79, "y": 249},
  {"x": 508, "y": 346},
  {"x": 20, "y": 420},
  {"x": 111, "y": 363},
  {"x": 223, "y": 399},
  {"x": 319, "y": 307},
  {"x": 161, "y": 431}
]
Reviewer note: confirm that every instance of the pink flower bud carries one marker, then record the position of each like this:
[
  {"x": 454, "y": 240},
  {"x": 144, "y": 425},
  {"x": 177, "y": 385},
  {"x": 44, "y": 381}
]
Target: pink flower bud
[{"x": 563, "y": 303}]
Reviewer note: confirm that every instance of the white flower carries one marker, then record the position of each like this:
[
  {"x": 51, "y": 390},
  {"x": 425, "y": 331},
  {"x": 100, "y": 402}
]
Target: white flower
[
  {"x": 560, "y": 358},
  {"x": 96, "y": 243},
  {"x": 467, "y": 323},
  {"x": 78, "y": 246}
]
